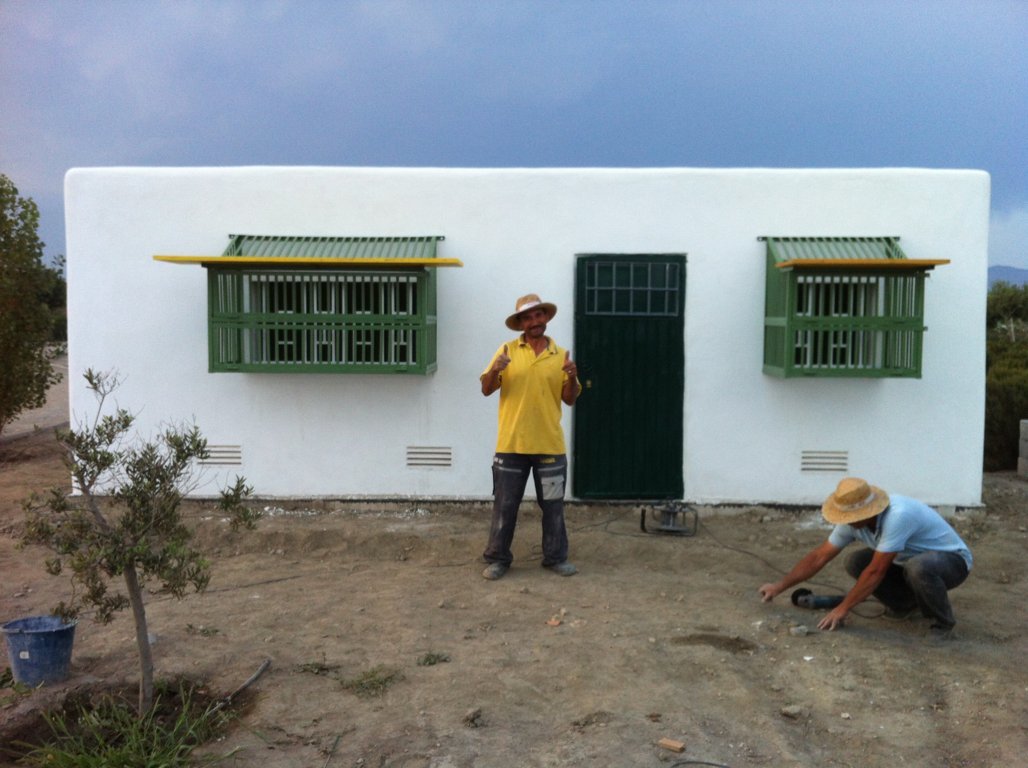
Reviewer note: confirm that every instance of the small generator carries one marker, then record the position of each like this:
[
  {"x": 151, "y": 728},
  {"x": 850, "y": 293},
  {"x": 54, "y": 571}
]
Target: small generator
[{"x": 676, "y": 518}]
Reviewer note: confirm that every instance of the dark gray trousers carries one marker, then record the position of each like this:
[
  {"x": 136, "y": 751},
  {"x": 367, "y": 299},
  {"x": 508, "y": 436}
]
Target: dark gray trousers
[
  {"x": 510, "y": 477},
  {"x": 920, "y": 582}
]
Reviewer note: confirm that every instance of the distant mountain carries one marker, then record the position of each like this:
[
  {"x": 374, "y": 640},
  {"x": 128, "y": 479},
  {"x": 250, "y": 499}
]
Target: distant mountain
[{"x": 1011, "y": 275}]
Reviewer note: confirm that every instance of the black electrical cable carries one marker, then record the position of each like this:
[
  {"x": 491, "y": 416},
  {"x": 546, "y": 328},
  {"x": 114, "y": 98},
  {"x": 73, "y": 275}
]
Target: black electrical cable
[
  {"x": 605, "y": 525},
  {"x": 779, "y": 570},
  {"x": 699, "y": 525}
]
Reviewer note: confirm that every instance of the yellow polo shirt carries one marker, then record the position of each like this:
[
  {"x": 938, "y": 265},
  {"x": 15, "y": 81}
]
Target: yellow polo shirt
[{"x": 530, "y": 387}]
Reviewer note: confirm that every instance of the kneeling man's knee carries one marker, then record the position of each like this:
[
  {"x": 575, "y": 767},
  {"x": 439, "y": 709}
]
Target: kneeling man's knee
[{"x": 857, "y": 561}]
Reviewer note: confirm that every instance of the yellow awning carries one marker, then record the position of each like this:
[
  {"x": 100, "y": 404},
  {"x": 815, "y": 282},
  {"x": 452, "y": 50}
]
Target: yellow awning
[
  {"x": 861, "y": 264},
  {"x": 309, "y": 261},
  {"x": 305, "y": 250}
]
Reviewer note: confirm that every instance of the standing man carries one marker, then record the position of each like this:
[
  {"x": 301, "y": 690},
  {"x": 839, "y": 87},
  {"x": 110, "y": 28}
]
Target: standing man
[
  {"x": 913, "y": 556},
  {"x": 534, "y": 376}
]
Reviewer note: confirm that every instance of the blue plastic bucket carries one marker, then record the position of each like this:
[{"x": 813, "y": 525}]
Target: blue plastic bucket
[{"x": 39, "y": 648}]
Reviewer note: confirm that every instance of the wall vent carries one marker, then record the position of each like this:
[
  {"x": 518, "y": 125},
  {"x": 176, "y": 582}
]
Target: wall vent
[
  {"x": 429, "y": 456},
  {"x": 824, "y": 461},
  {"x": 223, "y": 456}
]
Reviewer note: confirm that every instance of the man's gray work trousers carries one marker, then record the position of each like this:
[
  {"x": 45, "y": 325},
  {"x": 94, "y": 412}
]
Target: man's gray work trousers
[
  {"x": 919, "y": 582},
  {"x": 510, "y": 476}
]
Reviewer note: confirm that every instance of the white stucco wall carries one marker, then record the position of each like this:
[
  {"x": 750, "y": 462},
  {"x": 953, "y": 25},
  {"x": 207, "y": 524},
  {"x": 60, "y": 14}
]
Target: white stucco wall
[{"x": 518, "y": 231}]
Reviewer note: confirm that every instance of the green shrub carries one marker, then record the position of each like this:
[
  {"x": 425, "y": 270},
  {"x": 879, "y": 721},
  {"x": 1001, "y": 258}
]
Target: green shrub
[
  {"x": 1006, "y": 375},
  {"x": 26, "y": 319},
  {"x": 112, "y": 735},
  {"x": 1006, "y": 404}
]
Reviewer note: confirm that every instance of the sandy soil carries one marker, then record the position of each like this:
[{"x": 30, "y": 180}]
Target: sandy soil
[{"x": 657, "y": 637}]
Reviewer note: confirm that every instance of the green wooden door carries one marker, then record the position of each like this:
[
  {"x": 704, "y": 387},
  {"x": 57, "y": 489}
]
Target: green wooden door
[{"x": 629, "y": 347}]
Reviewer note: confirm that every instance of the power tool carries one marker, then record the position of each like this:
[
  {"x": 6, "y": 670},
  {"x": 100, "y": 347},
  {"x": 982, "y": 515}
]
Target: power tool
[{"x": 804, "y": 598}]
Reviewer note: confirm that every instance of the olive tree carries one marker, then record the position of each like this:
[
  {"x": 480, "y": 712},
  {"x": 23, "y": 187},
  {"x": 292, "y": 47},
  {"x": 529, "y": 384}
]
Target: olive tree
[
  {"x": 122, "y": 518},
  {"x": 26, "y": 320},
  {"x": 1007, "y": 310}
]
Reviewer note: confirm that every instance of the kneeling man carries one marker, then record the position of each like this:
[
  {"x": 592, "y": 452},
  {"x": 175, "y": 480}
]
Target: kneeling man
[{"x": 912, "y": 558}]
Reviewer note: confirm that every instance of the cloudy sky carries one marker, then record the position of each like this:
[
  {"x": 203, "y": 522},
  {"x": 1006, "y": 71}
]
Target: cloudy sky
[{"x": 501, "y": 83}]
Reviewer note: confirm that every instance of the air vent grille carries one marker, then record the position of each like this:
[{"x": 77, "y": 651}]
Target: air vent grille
[
  {"x": 429, "y": 456},
  {"x": 223, "y": 456},
  {"x": 824, "y": 461}
]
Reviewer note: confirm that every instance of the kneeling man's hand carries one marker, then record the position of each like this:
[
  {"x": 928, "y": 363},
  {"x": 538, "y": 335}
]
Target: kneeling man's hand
[
  {"x": 834, "y": 619},
  {"x": 768, "y": 592}
]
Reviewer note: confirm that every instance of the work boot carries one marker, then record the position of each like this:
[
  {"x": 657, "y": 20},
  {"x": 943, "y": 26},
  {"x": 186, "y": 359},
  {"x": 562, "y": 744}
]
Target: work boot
[
  {"x": 493, "y": 571},
  {"x": 563, "y": 569}
]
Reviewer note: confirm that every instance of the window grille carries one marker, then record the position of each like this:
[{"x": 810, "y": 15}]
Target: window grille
[
  {"x": 632, "y": 288},
  {"x": 859, "y": 316},
  {"x": 843, "y": 315},
  {"x": 322, "y": 320}
]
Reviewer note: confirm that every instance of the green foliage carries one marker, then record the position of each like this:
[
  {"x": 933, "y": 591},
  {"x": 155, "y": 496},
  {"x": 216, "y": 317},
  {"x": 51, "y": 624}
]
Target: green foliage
[
  {"x": 375, "y": 682},
  {"x": 56, "y": 298},
  {"x": 1006, "y": 377},
  {"x": 1006, "y": 404},
  {"x": 7, "y": 681},
  {"x": 110, "y": 735},
  {"x": 26, "y": 319},
  {"x": 318, "y": 668},
  {"x": 125, "y": 521},
  {"x": 1007, "y": 310},
  {"x": 432, "y": 658}
]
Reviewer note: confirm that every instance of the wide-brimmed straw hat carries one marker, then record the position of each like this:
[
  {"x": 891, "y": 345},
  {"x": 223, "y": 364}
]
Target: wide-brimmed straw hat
[
  {"x": 854, "y": 500},
  {"x": 525, "y": 303}
]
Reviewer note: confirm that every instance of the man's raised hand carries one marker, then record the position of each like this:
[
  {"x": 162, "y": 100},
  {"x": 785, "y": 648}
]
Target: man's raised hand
[
  {"x": 569, "y": 365},
  {"x": 502, "y": 360}
]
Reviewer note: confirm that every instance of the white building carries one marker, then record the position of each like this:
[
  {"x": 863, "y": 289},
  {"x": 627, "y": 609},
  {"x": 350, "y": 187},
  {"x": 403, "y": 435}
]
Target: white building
[{"x": 724, "y": 360}]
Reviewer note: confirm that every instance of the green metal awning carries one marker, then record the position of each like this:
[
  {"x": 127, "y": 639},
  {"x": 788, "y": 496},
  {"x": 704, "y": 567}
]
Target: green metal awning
[
  {"x": 844, "y": 253},
  {"x": 253, "y": 250}
]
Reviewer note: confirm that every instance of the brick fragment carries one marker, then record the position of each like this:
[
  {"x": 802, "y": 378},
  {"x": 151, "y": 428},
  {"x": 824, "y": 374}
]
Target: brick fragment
[{"x": 672, "y": 744}]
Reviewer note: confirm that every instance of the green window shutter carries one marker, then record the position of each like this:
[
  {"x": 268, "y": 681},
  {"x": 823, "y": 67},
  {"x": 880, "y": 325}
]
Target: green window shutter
[
  {"x": 224, "y": 313},
  {"x": 331, "y": 321},
  {"x": 843, "y": 307},
  {"x": 323, "y": 305}
]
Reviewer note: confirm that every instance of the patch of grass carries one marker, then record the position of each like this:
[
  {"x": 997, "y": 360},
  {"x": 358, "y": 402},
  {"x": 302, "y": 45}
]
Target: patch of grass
[
  {"x": 110, "y": 733},
  {"x": 374, "y": 682},
  {"x": 432, "y": 658},
  {"x": 317, "y": 668},
  {"x": 11, "y": 692},
  {"x": 7, "y": 681}
]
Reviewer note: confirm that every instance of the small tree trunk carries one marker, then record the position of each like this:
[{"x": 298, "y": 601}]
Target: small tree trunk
[{"x": 135, "y": 596}]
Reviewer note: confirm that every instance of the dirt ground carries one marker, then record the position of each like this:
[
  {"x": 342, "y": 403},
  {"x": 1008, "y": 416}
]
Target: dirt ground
[{"x": 657, "y": 637}]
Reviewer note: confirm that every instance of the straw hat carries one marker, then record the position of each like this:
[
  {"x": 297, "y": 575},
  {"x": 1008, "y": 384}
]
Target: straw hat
[
  {"x": 525, "y": 303},
  {"x": 854, "y": 500}
]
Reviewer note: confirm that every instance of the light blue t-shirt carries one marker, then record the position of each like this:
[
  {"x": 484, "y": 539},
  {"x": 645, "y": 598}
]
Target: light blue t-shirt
[{"x": 907, "y": 526}]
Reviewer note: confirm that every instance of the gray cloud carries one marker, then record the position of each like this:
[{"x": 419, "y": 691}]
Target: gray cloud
[{"x": 940, "y": 83}]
